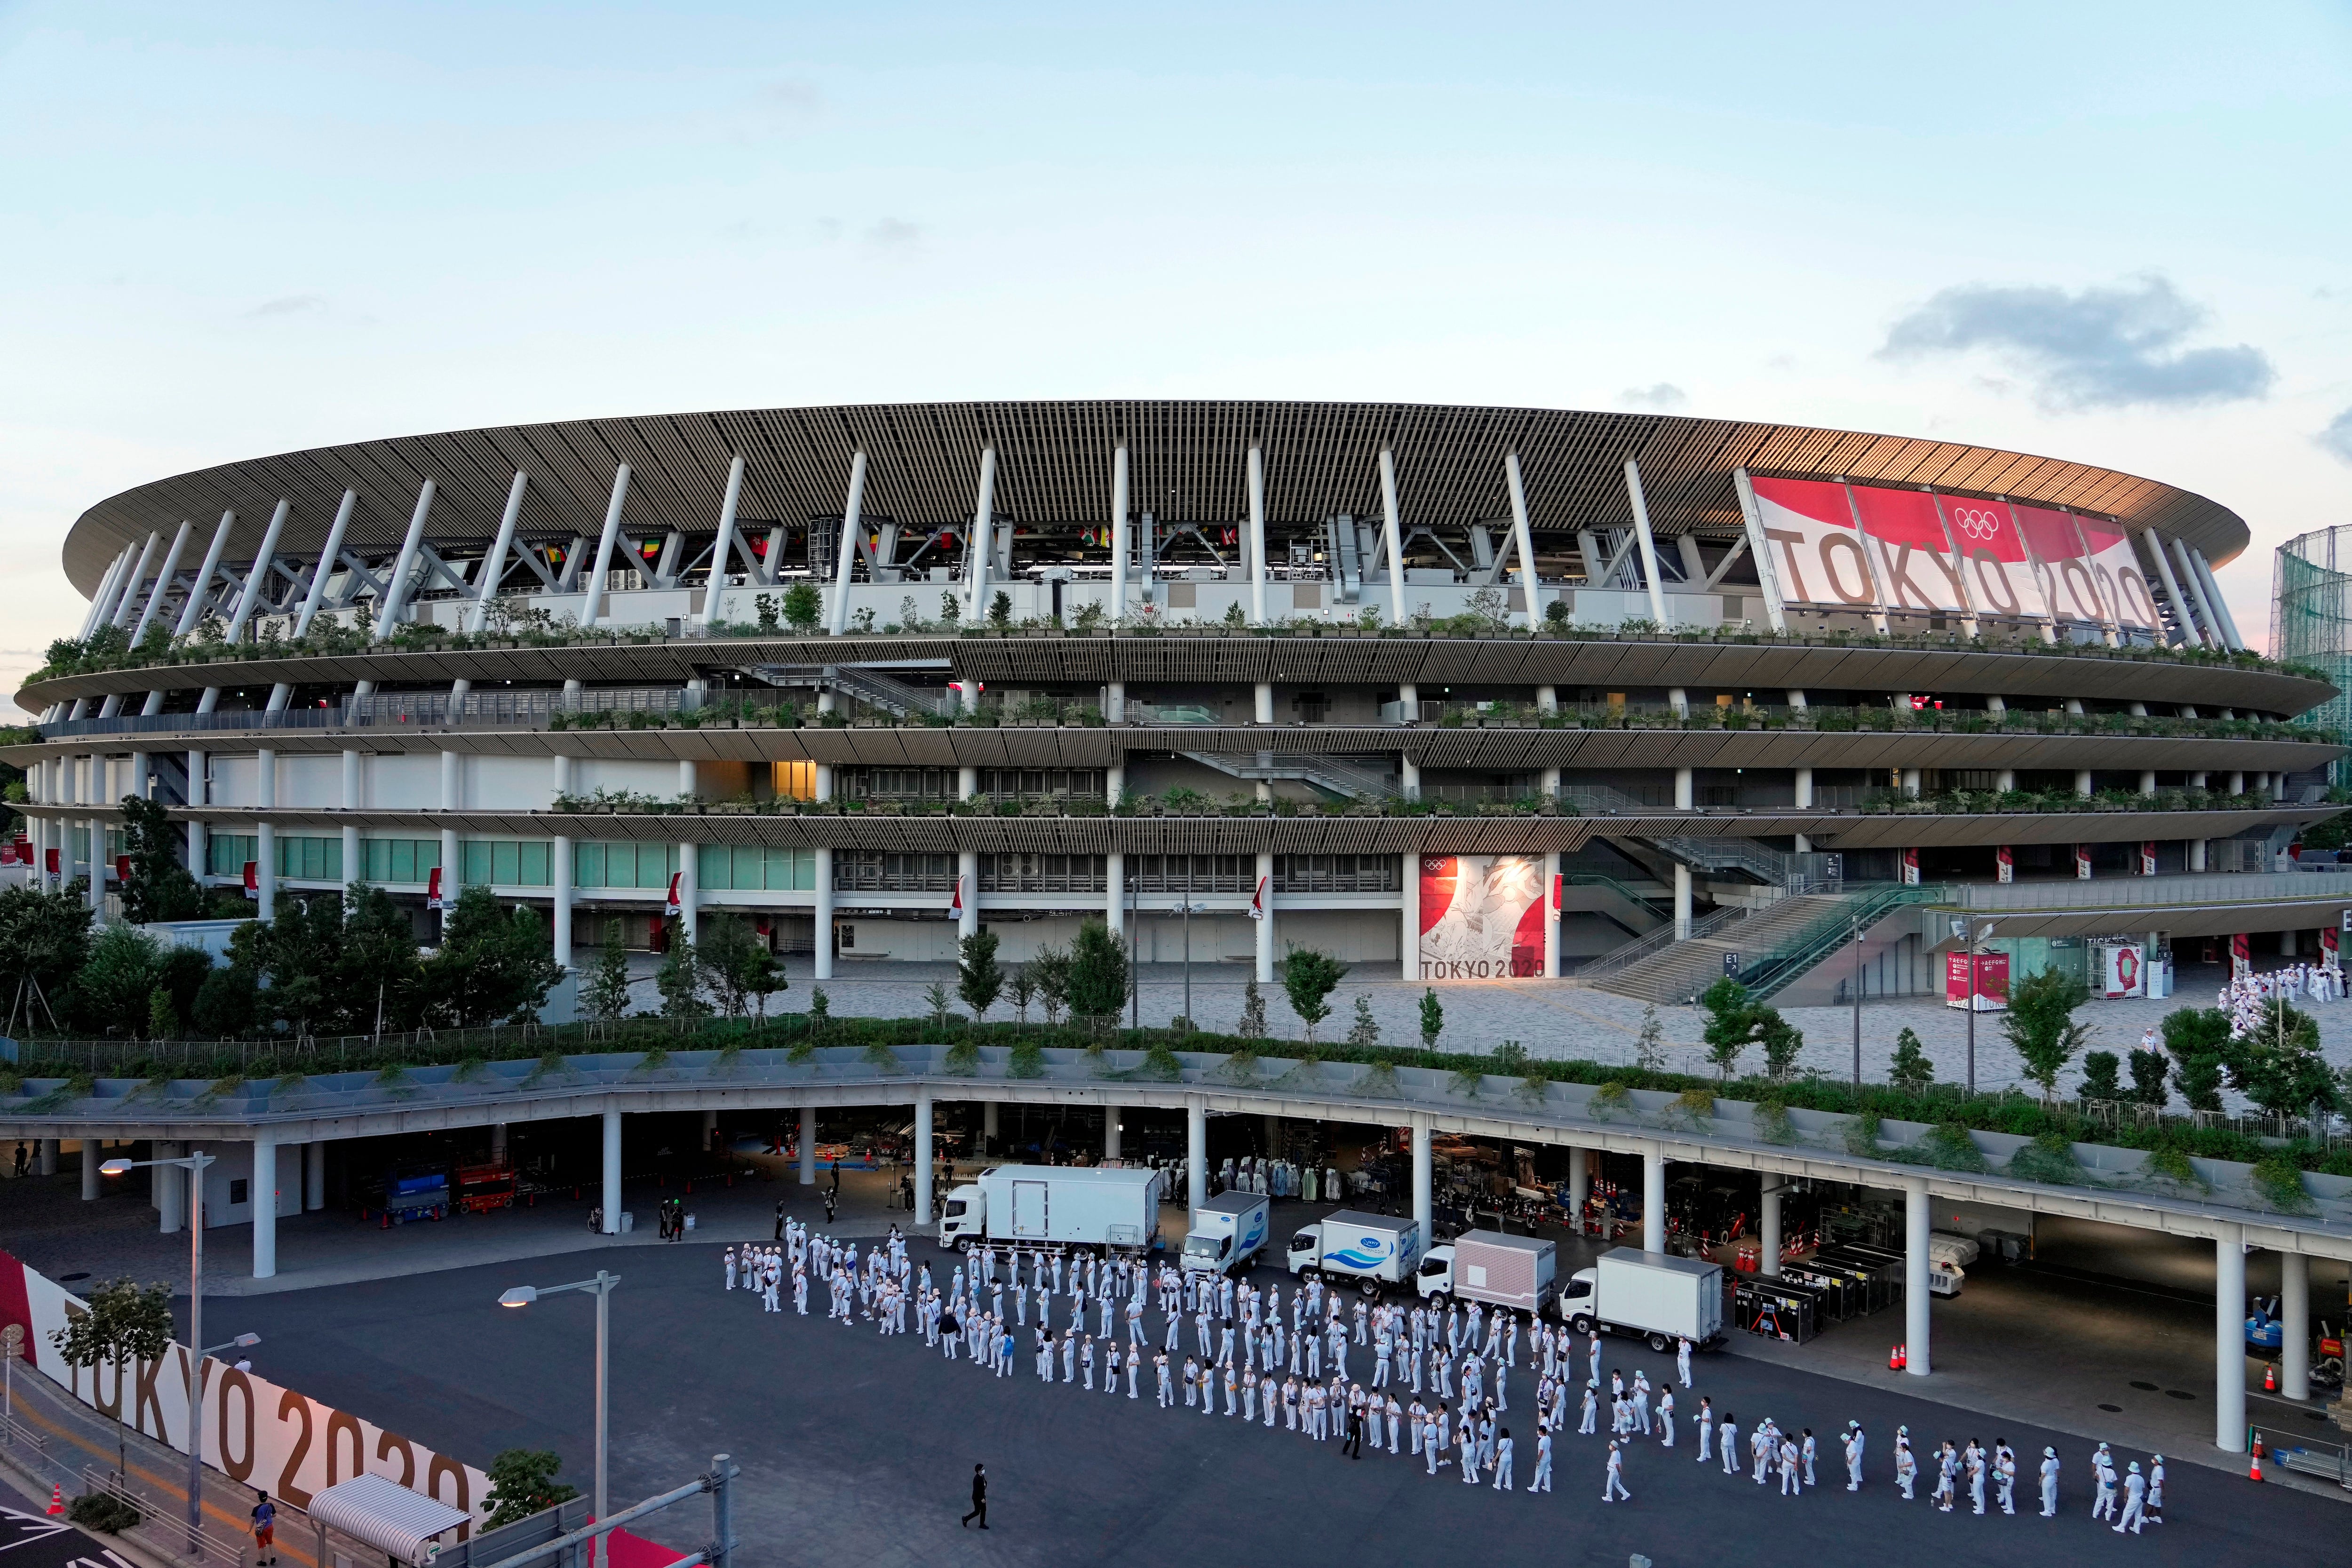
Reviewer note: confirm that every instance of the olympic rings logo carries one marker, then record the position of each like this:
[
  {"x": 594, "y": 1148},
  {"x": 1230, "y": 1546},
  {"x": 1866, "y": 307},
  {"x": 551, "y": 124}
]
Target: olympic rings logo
[{"x": 1977, "y": 522}]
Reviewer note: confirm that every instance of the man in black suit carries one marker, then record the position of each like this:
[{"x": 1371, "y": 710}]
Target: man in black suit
[{"x": 978, "y": 1497}]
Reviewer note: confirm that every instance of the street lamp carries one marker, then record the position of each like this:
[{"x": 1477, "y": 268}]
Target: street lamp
[
  {"x": 600, "y": 1288},
  {"x": 195, "y": 1165},
  {"x": 1976, "y": 936}
]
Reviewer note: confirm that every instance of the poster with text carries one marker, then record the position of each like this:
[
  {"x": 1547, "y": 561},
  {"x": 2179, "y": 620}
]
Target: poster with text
[
  {"x": 2068, "y": 583},
  {"x": 2115, "y": 569},
  {"x": 1999, "y": 569},
  {"x": 1481, "y": 917},
  {"x": 1915, "y": 558},
  {"x": 1817, "y": 554}
]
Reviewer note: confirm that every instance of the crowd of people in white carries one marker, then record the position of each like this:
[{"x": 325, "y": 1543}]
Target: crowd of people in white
[{"x": 1272, "y": 1361}]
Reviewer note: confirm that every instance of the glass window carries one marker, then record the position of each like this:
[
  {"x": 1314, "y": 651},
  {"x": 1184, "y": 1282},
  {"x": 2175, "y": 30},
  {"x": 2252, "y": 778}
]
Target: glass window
[{"x": 588, "y": 865}]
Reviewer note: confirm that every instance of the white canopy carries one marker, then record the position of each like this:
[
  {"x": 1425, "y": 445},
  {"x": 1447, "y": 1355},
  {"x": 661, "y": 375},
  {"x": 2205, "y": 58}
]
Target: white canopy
[{"x": 385, "y": 1515}]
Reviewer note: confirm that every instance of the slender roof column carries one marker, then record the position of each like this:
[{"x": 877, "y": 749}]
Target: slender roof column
[
  {"x": 592, "y": 609},
  {"x": 852, "y": 509},
  {"x": 1646, "y": 541},
  {"x": 1524, "y": 535}
]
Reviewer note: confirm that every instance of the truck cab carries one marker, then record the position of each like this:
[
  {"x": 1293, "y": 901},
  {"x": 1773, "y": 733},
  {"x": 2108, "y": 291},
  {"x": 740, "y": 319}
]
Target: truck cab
[
  {"x": 1208, "y": 1254},
  {"x": 1436, "y": 1275},
  {"x": 963, "y": 1217}
]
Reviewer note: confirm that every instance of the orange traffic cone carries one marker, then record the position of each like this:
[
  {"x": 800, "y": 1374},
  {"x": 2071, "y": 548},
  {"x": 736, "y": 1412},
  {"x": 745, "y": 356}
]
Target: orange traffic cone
[
  {"x": 2270, "y": 1378},
  {"x": 2256, "y": 1473},
  {"x": 57, "y": 1501},
  {"x": 1896, "y": 1360}
]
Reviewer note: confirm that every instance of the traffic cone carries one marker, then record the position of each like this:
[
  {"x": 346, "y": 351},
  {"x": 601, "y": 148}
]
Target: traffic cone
[
  {"x": 2256, "y": 1473},
  {"x": 2270, "y": 1378},
  {"x": 1896, "y": 1360},
  {"x": 57, "y": 1501}
]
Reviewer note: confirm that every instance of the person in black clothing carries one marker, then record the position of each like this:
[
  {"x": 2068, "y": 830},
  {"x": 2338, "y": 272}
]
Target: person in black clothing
[
  {"x": 1354, "y": 1421},
  {"x": 780, "y": 1219},
  {"x": 978, "y": 1497}
]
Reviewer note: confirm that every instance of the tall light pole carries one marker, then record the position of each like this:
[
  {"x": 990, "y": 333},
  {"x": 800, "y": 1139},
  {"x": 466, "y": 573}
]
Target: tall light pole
[
  {"x": 194, "y": 1165},
  {"x": 1976, "y": 936},
  {"x": 600, "y": 1288},
  {"x": 1857, "y": 998}
]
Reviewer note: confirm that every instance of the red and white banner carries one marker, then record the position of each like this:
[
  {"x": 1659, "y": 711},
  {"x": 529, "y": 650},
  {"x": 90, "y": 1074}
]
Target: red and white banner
[
  {"x": 1999, "y": 570},
  {"x": 2082, "y": 862},
  {"x": 2114, "y": 567},
  {"x": 1991, "y": 993},
  {"x": 1916, "y": 564},
  {"x": 1481, "y": 917},
  {"x": 670, "y": 905},
  {"x": 433, "y": 889},
  {"x": 2148, "y": 857},
  {"x": 254, "y": 1431},
  {"x": 1911, "y": 865},
  {"x": 1257, "y": 901},
  {"x": 252, "y": 879},
  {"x": 955, "y": 904},
  {"x": 2068, "y": 590},
  {"x": 1818, "y": 555},
  {"x": 2004, "y": 864}
]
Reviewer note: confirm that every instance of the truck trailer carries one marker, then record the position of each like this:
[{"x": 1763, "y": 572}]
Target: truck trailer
[
  {"x": 1651, "y": 1296},
  {"x": 1049, "y": 1205},
  {"x": 1516, "y": 1271}
]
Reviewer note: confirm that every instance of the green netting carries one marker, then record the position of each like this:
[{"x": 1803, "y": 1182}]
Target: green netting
[{"x": 2311, "y": 619}]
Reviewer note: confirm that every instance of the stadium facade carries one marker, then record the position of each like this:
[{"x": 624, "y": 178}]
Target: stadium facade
[{"x": 1481, "y": 693}]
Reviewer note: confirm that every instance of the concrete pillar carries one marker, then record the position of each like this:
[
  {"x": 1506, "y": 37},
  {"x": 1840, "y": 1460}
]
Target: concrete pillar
[
  {"x": 314, "y": 1174},
  {"x": 1115, "y": 701},
  {"x": 1678, "y": 701},
  {"x": 1264, "y": 709},
  {"x": 1551, "y": 915},
  {"x": 709, "y": 1129},
  {"x": 1196, "y": 1152},
  {"x": 497, "y": 1142},
  {"x": 1682, "y": 901},
  {"x": 453, "y": 874},
  {"x": 1409, "y": 917},
  {"x": 1767, "y": 1242},
  {"x": 1409, "y": 776},
  {"x": 2238, "y": 784},
  {"x": 1266, "y": 922},
  {"x": 1115, "y": 892},
  {"x": 1911, "y": 783},
  {"x": 560, "y": 875},
  {"x": 1547, "y": 697},
  {"x": 808, "y": 1145},
  {"x": 988, "y": 1123},
  {"x": 967, "y": 781},
  {"x": 1685, "y": 796},
  {"x": 48, "y": 1157},
  {"x": 1110, "y": 1131},
  {"x": 968, "y": 870},
  {"x": 690, "y": 891},
  {"x": 92, "y": 1154},
  {"x": 1579, "y": 1184},
  {"x": 611, "y": 1172},
  {"x": 2295, "y": 1325},
  {"x": 2197, "y": 854},
  {"x": 823, "y": 934},
  {"x": 450, "y": 788},
  {"x": 265, "y": 1205},
  {"x": 1915, "y": 1295},
  {"x": 1425, "y": 1179},
  {"x": 2148, "y": 781},
  {"x": 2230, "y": 1339},
  {"x": 170, "y": 1195},
  {"x": 352, "y": 852},
  {"x": 922, "y": 1153},
  {"x": 2083, "y": 782},
  {"x": 2006, "y": 779},
  {"x": 1654, "y": 1202},
  {"x": 1271, "y": 1129}
]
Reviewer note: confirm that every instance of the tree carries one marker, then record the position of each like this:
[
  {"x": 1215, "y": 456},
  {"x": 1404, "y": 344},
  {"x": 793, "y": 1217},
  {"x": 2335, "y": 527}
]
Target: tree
[
  {"x": 1097, "y": 974},
  {"x": 1432, "y": 1019},
  {"x": 680, "y": 980},
  {"x": 1253, "y": 1021},
  {"x": 2148, "y": 1073},
  {"x": 2197, "y": 1037},
  {"x": 160, "y": 887},
  {"x": 300, "y": 950},
  {"x": 1308, "y": 978},
  {"x": 1911, "y": 1072},
  {"x": 738, "y": 967},
  {"x": 1051, "y": 968},
  {"x": 379, "y": 968},
  {"x": 226, "y": 1005},
  {"x": 494, "y": 966},
  {"x": 1366, "y": 1030},
  {"x": 804, "y": 606},
  {"x": 2278, "y": 1066},
  {"x": 1782, "y": 1041},
  {"x": 1000, "y": 609},
  {"x": 523, "y": 1483},
  {"x": 1730, "y": 1024},
  {"x": 942, "y": 1005},
  {"x": 2102, "y": 1071},
  {"x": 978, "y": 979},
  {"x": 44, "y": 938},
  {"x": 122, "y": 1323},
  {"x": 606, "y": 994},
  {"x": 124, "y": 967},
  {"x": 2041, "y": 1024},
  {"x": 1650, "y": 1045},
  {"x": 1023, "y": 989}
]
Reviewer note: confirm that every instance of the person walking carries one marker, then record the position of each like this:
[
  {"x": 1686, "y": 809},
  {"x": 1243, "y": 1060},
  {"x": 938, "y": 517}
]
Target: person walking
[
  {"x": 780, "y": 1219},
  {"x": 979, "y": 1493},
  {"x": 1541, "y": 1481},
  {"x": 1615, "y": 1488},
  {"x": 264, "y": 1531},
  {"x": 2135, "y": 1512},
  {"x": 2049, "y": 1483}
]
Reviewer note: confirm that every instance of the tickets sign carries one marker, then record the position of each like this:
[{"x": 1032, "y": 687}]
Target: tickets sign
[{"x": 1481, "y": 917}]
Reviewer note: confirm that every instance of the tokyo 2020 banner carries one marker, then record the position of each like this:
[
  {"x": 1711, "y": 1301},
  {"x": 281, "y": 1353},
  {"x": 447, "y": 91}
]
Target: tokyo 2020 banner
[{"x": 1481, "y": 917}]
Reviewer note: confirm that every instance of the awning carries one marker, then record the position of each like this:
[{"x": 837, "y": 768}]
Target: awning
[{"x": 385, "y": 1515}]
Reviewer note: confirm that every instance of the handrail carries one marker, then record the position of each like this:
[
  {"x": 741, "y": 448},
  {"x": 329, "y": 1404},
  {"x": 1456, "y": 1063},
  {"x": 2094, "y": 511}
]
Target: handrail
[
  {"x": 1766, "y": 864},
  {"x": 1857, "y": 910},
  {"x": 1617, "y": 958}
]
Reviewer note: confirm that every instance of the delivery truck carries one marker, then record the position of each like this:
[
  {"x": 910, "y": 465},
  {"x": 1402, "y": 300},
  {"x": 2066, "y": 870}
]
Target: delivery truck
[
  {"x": 1372, "y": 1247},
  {"x": 1651, "y": 1296},
  {"x": 1054, "y": 1205},
  {"x": 1227, "y": 1232},
  {"x": 1517, "y": 1272}
]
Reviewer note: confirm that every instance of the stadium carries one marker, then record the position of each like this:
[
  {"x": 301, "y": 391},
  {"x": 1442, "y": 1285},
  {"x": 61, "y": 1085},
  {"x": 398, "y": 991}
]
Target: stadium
[{"x": 1480, "y": 693}]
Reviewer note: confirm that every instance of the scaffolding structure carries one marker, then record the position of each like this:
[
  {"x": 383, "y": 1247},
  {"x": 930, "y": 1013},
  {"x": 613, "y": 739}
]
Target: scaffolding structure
[{"x": 2311, "y": 620}]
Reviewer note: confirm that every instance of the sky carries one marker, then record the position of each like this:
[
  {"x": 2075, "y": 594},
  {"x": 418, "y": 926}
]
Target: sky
[{"x": 2115, "y": 233}]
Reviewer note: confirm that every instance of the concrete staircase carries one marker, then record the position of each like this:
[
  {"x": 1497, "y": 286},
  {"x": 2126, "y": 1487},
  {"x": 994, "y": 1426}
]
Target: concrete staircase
[{"x": 1677, "y": 972}]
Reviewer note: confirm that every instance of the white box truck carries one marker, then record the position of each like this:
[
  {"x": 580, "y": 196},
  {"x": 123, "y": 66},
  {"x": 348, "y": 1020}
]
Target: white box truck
[
  {"x": 1372, "y": 1247},
  {"x": 1517, "y": 1271},
  {"x": 1049, "y": 1205},
  {"x": 1227, "y": 1232},
  {"x": 1652, "y": 1296}
]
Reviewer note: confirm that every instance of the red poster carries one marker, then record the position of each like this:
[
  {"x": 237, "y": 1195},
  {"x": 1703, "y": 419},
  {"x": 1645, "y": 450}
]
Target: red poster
[
  {"x": 1817, "y": 558},
  {"x": 1914, "y": 559},
  {"x": 1480, "y": 917}
]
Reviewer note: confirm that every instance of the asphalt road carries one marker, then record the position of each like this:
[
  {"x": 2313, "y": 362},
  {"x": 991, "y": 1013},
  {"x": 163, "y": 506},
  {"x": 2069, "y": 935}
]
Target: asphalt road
[{"x": 857, "y": 1447}]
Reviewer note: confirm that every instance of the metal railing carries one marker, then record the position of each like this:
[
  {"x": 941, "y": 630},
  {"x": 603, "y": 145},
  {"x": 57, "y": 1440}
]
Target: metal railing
[
  {"x": 185, "y": 723},
  {"x": 2172, "y": 889},
  {"x": 166, "y": 1515},
  {"x": 1763, "y": 863},
  {"x": 1619, "y": 958},
  {"x": 1856, "y": 912}
]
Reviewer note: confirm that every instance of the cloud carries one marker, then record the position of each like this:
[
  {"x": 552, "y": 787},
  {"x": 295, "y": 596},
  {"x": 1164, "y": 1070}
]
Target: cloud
[
  {"x": 894, "y": 233},
  {"x": 1665, "y": 397},
  {"x": 791, "y": 99},
  {"x": 289, "y": 305},
  {"x": 2099, "y": 348},
  {"x": 2337, "y": 438}
]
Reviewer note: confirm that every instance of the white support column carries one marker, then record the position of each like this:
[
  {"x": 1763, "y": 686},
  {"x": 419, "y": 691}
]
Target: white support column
[
  {"x": 2197, "y": 854},
  {"x": 1551, "y": 913},
  {"x": 47, "y": 1153},
  {"x": 2181, "y": 609},
  {"x": 968, "y": 882},
  {"x": 265, "y": 772},
  {"x": 1266, "y": 925},
  {"x": 494, "y": 564},
  {"x": 1392, "y": 537},
  {"x": 1525, "y": 537},
  {"x": 592, "y": 608},
  {"x": 2230, "y": 1338},
  {"x": 101, "y": 604},
  {"x": 354, "y": 857},
  {"x": 2208, "y": 624},
  {"x": 1263, "y": 708},
  {"x": 329, "y": 554},
  {"x": 1685, "y": 791},
  {"x": 1647, "y": 542},
  {"x": 1916, "y": 1360},
  {"x": 132, "y": 585},
  {"x": 690, "y": 891},
  {"x": 1196, "y": 1152},
  {"x": 2295, "y": 1326},
  {"x": 452, "y": 792},
  {"x": 922, "y": 1153},
  {"x": 1579, "y": 1186},
  {"x": 163, "y": 575},
  {"x": 1408, "y": 915},
  {"x": 1759, "y": 548},
  {"x": 560, "y": 941},
  {"x": 1119, "y": 549},
  {"x": 1257, "y": 549},
  {"x": 1409, "y": 772},
  {"x": 171, "y": 1198},
  {"x": 852, "y": 511},
  {"x": 1110, "y": 1132},
  {"x": 1115, "y": 892},
  {"x": 395, "y": 587},
  {"x": 453, "y": 870},
  {"x": 258, "y": 577},
  {"x": 808, "y": 1146},
  {"x": 611, "y": 1172},
  {"x": 314, "y": 1174},
  {"x": 92, "y": 1152},
  {"x": 1425, "y": 1179},
  {"x": 824, "y": 913},
  {"x": 264, "y": 1193},
  {"x": 983, "y": 515},
  {"x": 2220, "y": 605},
  {"x": 1653, "y": 1201},
  {"x": 2083, "y": 782},
  {"x": 1768, "y": 1249}
]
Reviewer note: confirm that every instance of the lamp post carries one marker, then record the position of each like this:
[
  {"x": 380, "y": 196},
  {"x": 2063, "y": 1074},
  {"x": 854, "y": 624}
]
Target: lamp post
[
  {"x": 1976, "y": 934},
  {"x": 600, "y": 1288},
  {"x": 195, "y": 1165},
  {"x": 1857, "y": 998}
]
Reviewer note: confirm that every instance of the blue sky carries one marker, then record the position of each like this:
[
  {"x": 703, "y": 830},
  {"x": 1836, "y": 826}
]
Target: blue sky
[{"x": 2112, "y": 233}]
